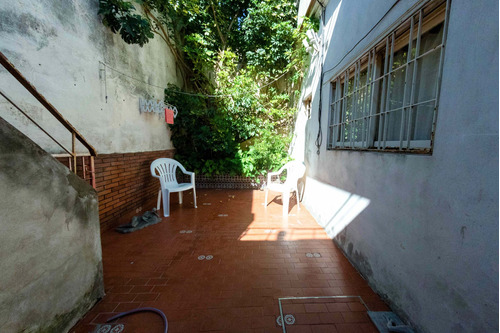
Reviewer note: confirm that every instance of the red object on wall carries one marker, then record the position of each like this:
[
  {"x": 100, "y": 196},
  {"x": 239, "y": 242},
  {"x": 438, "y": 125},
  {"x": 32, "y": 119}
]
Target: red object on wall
[{"x": 169, "y": 116}]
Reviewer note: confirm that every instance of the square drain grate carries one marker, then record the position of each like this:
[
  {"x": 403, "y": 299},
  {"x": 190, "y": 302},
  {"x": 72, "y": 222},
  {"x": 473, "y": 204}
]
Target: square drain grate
[{"x": 387, "y": 321}]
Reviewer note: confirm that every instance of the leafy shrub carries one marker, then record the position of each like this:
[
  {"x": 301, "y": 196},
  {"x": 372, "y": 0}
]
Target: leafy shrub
[{"x": 248, "y": 53}]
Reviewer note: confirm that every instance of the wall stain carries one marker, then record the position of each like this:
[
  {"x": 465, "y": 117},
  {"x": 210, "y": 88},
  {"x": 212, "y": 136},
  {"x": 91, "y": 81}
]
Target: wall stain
[
  {"x": 27, "y": 25},
  {"x": 462, "y": 233}
]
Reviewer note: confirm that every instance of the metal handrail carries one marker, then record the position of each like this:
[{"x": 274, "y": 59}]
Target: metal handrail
[{"x": 74, "y": 133}]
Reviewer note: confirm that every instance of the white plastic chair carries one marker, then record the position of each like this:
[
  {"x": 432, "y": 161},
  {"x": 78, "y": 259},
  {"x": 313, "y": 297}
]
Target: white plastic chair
[
  {"x": 164, "y": 169},
  {"x": 294, "y": 171}
]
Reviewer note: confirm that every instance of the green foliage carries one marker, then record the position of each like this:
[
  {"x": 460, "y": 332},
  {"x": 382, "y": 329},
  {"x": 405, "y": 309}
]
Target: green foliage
[
  {"x": 117, "y": 15},
  {"x": 249, "y": 53}
]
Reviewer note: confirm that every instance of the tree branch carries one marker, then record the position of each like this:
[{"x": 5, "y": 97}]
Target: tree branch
[
  {"x": 217, "y": 25},
  {"x": 164, "y": 35},
  {"x": 232, "y": 21}
]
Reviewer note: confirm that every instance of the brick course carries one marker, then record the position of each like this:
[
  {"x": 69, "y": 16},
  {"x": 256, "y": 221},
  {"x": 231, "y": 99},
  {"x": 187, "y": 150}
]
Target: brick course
[{"x": 123, "y": 183}]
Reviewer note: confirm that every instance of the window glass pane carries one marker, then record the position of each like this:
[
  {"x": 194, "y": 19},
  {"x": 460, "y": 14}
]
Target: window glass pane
[
  {"x": 347, "y": 133},
  {"x": 422, "y": 119},
  {"x": 339, "y": 115},
  {"x": 393, "y": 126},
  {"x": 428, "y": 65},
  {"x": 398, "y": 79},
  {"x": 331, "y": 136},
  {"x": 431, "y": 38},
  {"x": 396, "y": 89},
  {"x": 348, "y": 109},
  {"x": 364, "y": 94}
]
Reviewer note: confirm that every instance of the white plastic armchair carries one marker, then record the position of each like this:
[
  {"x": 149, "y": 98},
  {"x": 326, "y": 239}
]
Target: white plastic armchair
[
  {"x": 294, "y": 171},
  {"x": 164, "y": 169}
]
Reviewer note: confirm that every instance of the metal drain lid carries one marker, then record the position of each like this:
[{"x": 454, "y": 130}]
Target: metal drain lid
[
  {"x": 107, "y": 328},
  {"x": 117, "y": 329},
  {"x": 103, "y": 329},
  {"x": 289, "y": 320},
  {"x": 387, "y": 321}
]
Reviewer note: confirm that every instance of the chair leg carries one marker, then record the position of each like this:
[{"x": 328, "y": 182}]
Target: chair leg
[
  {"x": 285, "y": 197},
  {"x": 158, "y": 202},
  {"x": 166, "y": 203},
  {"x": 297, "y": 196},
  {"x": 194, "y": 197},
  {"x": 265, "y": 200},
  {"x": 180, "y": 198}
]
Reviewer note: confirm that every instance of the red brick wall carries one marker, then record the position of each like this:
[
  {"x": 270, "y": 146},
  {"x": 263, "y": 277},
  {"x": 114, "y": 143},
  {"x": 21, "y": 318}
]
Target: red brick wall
[{"x": 124, "y": 183}]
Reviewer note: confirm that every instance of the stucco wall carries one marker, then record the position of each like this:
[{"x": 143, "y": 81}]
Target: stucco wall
[
  {"x": 58, "y": 45},
  {"x": 422, "y": 229},
  {"x": 50, "y": 248}
]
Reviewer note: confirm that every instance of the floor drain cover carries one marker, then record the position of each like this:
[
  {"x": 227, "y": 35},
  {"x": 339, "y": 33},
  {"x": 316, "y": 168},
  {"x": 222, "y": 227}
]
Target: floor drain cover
[
  {"x": 119, "y": 328},
  {"x": 387, "y": 321},
  {"x": 104, "y": 329},
  {"x": 201, "y": 257},
  {"x": 289, "y": 320},
  {"x": 107, "y": 328}
]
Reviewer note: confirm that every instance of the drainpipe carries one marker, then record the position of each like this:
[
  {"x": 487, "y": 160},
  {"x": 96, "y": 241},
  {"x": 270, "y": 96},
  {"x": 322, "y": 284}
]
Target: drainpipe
[{"x": 319, "y": 136}]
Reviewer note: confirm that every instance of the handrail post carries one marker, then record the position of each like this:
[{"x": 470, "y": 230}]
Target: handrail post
[
  {"x": 73, "y": 150},
  {"x": 92, "y": 170}
]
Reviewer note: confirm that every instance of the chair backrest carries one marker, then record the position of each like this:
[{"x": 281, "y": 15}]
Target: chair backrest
[
  {"x": 165, "y": 168},
  {"x": 294, "y": 171}
]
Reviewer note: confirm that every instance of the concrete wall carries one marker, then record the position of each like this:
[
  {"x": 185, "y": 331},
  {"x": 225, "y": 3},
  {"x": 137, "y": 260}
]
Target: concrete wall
[
  {"x": 422, "y": 229},
  {"x": 50, "y": 248},
  {"x": 58, "y": 45}
]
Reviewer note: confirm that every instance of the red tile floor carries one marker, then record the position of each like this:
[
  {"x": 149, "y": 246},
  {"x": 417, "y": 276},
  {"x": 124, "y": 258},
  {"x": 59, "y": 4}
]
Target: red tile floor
[{"x": 258, "y": 257}]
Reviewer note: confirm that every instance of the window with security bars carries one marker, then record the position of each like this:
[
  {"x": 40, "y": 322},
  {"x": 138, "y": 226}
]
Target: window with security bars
[{"x": 387, "y": 99}]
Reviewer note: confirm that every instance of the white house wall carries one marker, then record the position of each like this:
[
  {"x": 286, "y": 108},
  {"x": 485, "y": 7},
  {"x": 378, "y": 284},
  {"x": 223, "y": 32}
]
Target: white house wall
[
  {"x": 58, "y": 46},
  {"x": 422, "y": 229}
]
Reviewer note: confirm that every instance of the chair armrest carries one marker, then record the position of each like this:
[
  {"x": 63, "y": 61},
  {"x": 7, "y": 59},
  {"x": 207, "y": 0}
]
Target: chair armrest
[
  {"x": 270, "y": 174},
  {"x": 153, "y": 172},
  {"x": 191, "y": 174}
]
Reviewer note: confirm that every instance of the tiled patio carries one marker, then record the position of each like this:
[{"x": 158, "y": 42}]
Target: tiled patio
[{"x": 258, "y": 257}]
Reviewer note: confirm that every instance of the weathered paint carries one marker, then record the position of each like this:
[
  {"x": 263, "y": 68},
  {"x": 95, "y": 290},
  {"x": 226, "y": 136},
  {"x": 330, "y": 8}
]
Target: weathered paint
[
  {"x": 50, "y": 249},
  {"x": 428, "y": 239},
  {"x": 58, "y": 48}
]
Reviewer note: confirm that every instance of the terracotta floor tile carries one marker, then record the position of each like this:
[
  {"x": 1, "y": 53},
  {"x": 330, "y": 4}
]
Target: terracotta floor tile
[
  {"x": 323, "y": 329},
  {"x": 258, "y": 257}
]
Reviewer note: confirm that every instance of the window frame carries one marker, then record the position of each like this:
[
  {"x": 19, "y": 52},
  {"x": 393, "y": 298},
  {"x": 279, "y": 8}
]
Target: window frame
[{"x": 377, "y": 60}]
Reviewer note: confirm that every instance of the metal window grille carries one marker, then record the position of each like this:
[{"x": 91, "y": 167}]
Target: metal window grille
[{"x": 387, "y": 99}]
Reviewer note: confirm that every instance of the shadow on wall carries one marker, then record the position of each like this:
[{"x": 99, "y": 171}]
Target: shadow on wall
[{"x": 335, "y": 208}]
